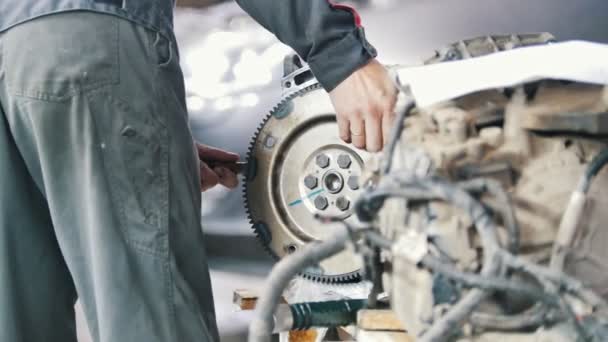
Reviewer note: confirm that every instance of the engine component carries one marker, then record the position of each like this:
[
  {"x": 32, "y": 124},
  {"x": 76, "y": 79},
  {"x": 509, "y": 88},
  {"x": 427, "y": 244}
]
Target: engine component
[
  {"x": 538, "y": 169},
  {"x": 473, "y": 221},
  {"x": 484, "y": 45},
  {"x": 414, "y": 297},
  {"x": 303, "y": 170}
]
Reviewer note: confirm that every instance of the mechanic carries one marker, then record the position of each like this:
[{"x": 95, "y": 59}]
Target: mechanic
[{"x": 98, "y": 170}]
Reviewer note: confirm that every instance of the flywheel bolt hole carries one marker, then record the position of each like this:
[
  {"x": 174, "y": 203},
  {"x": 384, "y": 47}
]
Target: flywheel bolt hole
[
  {"x": 290, "y": 249},
  {"x": 333, "y": 182}
]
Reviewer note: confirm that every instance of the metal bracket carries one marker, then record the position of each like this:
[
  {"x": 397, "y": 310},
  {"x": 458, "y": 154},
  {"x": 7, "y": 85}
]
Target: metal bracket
[{"x": 298, "y": 79}]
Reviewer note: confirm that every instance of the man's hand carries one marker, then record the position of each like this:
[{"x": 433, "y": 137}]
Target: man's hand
[
  {"x": 212, "y": 176},
  {"x": 365, "y": 104}
]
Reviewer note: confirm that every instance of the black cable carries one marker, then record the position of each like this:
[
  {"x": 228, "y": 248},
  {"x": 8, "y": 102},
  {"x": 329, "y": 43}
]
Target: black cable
[
  {"x": 375, "y": 269},
  {"x": 395, "y": 134},
  {"x": 435, "y": 188},
  {"x": 573, "y": 213},
  {"x": 494, "y": 188},
  {"x": 534, "y": 317},
  {"x": 368, "y": 204},
  {"x": 378, "y": 240},
  {"x": 468, "y": 279},
  {"x": 563, "y": 281},
  {"x": 479, "y": 185},
  {"x": 368, "y": 209},
  {"x": 531, "y": 318},
  {"x": 595, "y": 166},
  {"x": 487, "y": 282}
]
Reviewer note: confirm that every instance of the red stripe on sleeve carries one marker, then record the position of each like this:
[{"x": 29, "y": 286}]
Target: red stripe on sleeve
[{"x": 347, "y": 8}]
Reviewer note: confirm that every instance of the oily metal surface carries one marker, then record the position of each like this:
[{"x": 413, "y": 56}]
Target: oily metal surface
[{"x": 300, "y": 168}]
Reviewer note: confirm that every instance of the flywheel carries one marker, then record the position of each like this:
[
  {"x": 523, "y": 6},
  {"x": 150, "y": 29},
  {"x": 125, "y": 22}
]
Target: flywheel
[{"x": 300, "y": 167}]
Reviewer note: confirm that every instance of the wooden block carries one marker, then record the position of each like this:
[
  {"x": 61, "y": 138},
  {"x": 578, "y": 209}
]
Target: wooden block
[
  {"x": 345, "y": 335},
  {"x": 378, "y": 320},
  {"x": 303, "y": 336},
  {"x": 244, "y": 299}
]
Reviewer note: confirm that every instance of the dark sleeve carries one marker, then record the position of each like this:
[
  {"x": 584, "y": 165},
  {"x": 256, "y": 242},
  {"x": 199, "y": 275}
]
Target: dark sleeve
[{"x": 327, "y": 36}]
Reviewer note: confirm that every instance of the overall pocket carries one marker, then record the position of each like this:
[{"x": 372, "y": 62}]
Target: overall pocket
[{"x": 57, "y": 56}]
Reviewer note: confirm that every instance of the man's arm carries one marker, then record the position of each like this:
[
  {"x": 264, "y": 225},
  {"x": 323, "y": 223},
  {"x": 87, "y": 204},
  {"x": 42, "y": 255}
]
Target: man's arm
[{"x": 330, "y": 39}]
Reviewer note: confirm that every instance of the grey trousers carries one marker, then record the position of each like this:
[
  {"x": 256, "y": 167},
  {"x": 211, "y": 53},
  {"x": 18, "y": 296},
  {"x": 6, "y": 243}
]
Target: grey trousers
[{"x": 99, "y": 186}]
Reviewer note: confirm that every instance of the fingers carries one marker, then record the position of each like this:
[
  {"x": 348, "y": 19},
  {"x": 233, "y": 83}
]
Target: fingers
[
  {"x": 373, "y": 132},
  {"x": 363, "y": 133},
  {"x": 227, "y": 178},
  {"x": 209, "y": 178},
  {"x": 219, "y": 175},
  {"x": 211, "y": 153},
  {"x": 343, "y": 128},
  {"x": 365, "y": 103},
  {"x": 357, "y": 132}
]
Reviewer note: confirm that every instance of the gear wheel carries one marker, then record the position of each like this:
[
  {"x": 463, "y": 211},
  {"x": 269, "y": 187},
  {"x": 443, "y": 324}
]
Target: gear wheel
[{"x": 299, "y": 167}]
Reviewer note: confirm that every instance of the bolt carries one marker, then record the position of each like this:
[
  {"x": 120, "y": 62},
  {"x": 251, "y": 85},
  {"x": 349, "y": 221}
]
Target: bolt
[
  {"x": 342, "y": 203},
  {"x": 452, "y": 55},
  {"x": 344, "y": 161},
  {"x": 320, "y": 202},
  {"x": 270, "y": 141},
  {"x": 322, "y": 160},
  {"x": 353, "y": 182},
  {"x": 291, "y": 249},
  {"x": 310, "y": 181}
]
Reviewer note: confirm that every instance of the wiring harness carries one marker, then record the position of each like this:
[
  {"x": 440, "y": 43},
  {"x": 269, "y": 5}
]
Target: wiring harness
[{"x": 552, "y": 291}]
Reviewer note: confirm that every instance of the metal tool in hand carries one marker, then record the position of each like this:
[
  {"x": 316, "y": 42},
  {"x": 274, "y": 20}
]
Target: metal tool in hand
[{"x": 238, "y": 167}]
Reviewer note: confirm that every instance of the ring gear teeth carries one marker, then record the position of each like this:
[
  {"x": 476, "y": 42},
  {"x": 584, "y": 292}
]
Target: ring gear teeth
[{"x": 260, "y": 227}]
